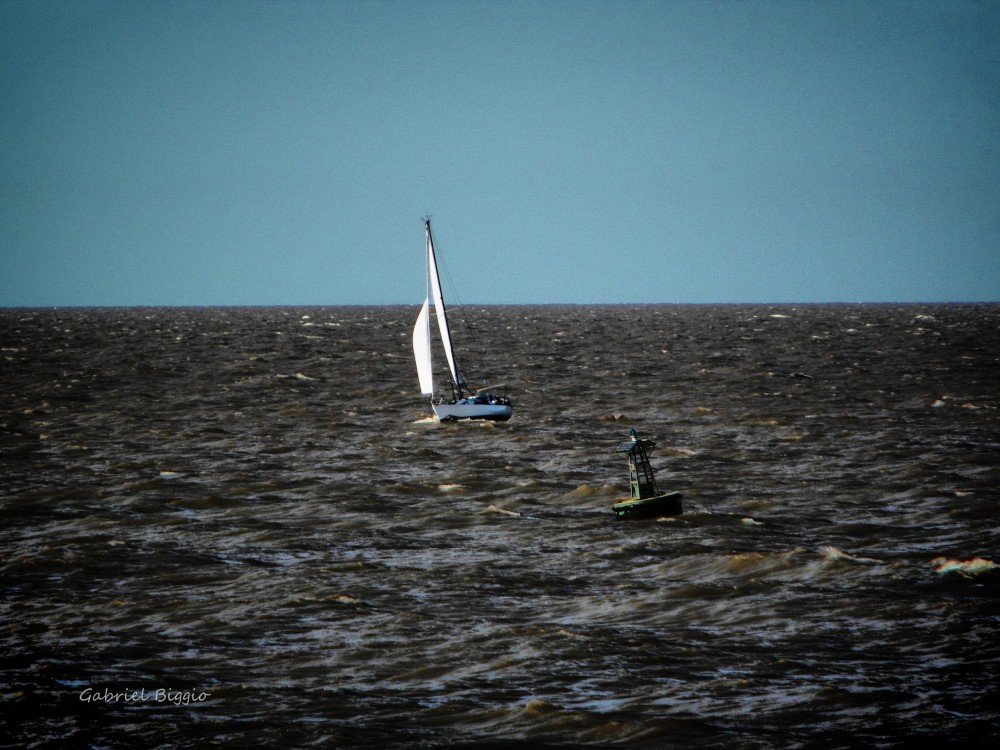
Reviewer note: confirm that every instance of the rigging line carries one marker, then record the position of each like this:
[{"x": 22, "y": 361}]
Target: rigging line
[
  {"x": 476, "y": 358},
  {"x": 443, "y": 261}
]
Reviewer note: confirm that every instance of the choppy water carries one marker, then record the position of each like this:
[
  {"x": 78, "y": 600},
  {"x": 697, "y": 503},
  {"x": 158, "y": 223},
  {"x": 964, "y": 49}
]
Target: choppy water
[{"x": 249, "y": 509}]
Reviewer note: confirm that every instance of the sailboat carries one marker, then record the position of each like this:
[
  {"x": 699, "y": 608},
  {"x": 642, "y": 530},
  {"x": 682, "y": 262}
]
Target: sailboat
[{"x": 465, "y": 403}]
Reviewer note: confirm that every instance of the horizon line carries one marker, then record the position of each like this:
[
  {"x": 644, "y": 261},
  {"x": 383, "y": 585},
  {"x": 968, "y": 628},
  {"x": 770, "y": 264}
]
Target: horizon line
[{"x": 298, "y": 305}]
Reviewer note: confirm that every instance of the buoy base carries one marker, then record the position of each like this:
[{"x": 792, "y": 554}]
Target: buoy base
[{"x": 650, "y": 507}]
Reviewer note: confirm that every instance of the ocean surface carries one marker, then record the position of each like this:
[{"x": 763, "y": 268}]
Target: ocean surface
[{"x": 238, "y": 527}]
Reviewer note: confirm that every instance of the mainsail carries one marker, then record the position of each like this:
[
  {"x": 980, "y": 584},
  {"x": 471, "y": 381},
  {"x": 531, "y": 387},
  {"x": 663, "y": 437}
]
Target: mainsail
[{"x": 442, "y": 316}]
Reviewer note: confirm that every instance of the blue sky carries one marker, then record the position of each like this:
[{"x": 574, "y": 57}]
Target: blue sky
[{"x": 260, "y": 153}]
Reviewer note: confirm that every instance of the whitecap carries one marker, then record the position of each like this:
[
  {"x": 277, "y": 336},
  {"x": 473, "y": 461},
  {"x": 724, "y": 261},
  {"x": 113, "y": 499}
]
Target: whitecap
[
  {"x": 967, "y": 568},
  {"x": 832, "y": 553},
  {"x": 494, "y": 509}
]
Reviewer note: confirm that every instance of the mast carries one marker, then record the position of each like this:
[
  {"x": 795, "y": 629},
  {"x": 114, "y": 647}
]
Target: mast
[{"x": 439, "y": 308}]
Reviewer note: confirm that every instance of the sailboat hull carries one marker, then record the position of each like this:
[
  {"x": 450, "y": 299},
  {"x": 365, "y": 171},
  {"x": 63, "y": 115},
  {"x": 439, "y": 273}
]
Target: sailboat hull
[{"x": 465, "y": 410}]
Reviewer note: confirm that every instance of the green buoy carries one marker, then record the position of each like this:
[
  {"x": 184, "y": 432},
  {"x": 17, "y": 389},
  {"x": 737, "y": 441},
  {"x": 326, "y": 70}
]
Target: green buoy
[{"x": 646, "y": 501}]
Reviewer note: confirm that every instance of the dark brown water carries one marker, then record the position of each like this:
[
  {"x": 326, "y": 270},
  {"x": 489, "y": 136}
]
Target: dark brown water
[{"x": 236, "y": 527}]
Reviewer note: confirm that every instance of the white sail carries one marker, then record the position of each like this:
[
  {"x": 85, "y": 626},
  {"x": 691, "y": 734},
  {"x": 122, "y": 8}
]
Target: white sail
[
  {"x": 422, "y": 350},
  {"x": 442, "y": 316}
]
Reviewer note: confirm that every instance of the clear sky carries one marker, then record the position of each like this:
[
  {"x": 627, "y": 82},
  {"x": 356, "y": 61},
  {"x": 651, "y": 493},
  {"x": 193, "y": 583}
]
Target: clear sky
[{"x": 200, "y": 152}]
